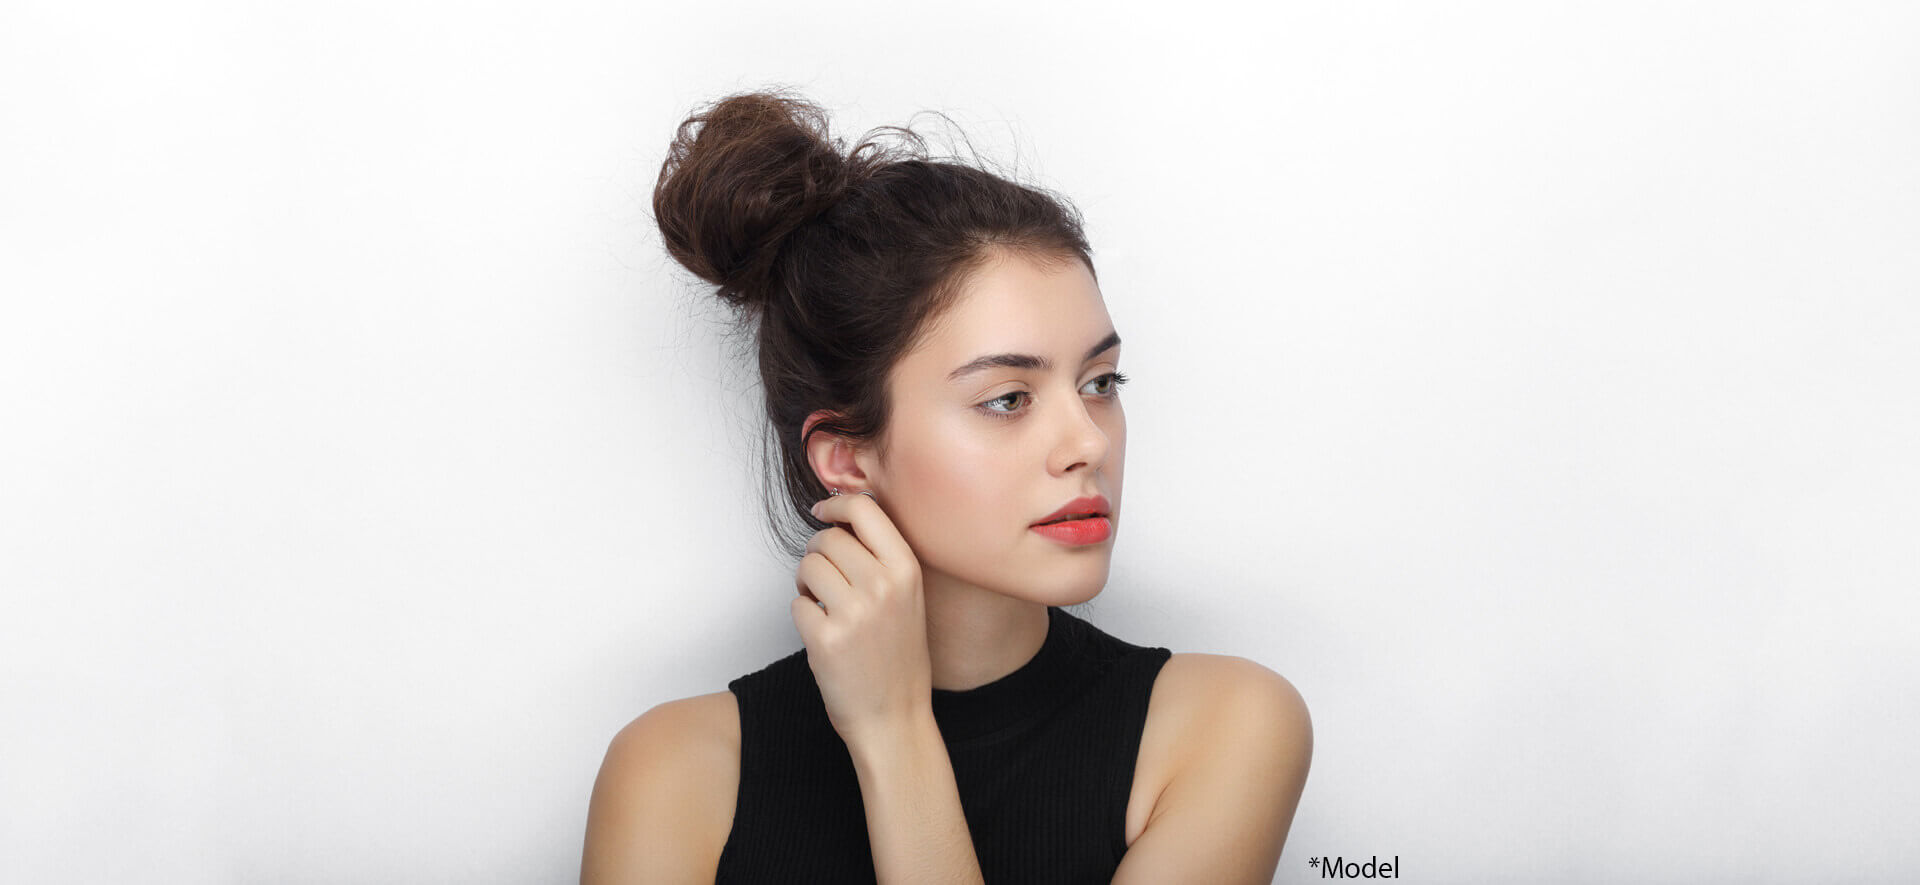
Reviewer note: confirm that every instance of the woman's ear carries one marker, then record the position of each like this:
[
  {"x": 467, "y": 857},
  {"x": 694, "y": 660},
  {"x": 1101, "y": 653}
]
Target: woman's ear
[{"x": 832, "y": 456}]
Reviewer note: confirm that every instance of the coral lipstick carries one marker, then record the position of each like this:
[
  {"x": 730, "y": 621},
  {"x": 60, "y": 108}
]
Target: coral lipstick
[
  {"x": 1081, "y": 521},
  {"x": 1078, "y": 532}
]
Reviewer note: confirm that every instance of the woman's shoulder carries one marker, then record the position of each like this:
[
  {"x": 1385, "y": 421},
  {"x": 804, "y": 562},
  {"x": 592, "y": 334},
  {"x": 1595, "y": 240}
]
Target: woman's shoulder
[
  {"x": 1210, "y": 676},
  {"x": 1197, "y": 693},
  {"x": 1199, "y": 703},
  {"x": 700, "y": 737},
  {"x": 712, "y": 719},
  {"x": 668, "y": 787}
]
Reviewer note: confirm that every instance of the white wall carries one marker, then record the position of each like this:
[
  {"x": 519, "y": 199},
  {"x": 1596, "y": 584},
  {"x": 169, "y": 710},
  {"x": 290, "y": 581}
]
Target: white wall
[{"x": 1533, "y": 384}]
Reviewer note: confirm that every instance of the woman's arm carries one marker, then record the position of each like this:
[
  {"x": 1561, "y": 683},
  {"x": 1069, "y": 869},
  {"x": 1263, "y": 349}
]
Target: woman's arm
[{"x": 914, "y": 819}]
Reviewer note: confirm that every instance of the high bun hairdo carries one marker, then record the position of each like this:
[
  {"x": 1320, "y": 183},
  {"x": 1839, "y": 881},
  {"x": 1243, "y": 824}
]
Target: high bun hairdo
[{"x": 842, "y": 259}]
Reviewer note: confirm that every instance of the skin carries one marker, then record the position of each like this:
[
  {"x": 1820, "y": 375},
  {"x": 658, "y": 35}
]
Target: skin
[{"x": 970, "y": 465}]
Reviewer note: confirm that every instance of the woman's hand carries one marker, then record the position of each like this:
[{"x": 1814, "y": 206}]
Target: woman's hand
[{"x": 868, "y": 647}]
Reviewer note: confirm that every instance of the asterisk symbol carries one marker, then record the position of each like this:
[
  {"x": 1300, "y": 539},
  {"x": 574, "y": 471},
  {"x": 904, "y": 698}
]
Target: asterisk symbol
[{"x": 1313, "y": 861}]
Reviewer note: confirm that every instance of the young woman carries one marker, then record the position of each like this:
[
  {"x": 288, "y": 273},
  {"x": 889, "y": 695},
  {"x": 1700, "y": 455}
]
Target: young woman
[{"x": 943, "y": 378}]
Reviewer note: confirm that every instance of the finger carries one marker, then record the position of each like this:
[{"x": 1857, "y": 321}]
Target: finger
[
  {"x": 870, "y": 522},
  {"x": 808, "y": 619},
  {"x": 856, "y": 563},
  {"x": 816, "y": 577}
]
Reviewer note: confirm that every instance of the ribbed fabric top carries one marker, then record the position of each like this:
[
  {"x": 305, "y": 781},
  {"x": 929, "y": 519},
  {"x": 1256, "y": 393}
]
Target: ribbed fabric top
[{"x": 1043, "y": 757}]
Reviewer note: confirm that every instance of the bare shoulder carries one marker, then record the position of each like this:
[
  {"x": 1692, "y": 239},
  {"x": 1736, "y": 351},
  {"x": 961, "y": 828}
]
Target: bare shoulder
[
  {"x": 1196, "y": 693},
  {"x": 1227, "y": 698},
  {"x": 663, "y": 803},
  {"x": 1206, "y": 708},
  {"x": 1231, "y": 681}
]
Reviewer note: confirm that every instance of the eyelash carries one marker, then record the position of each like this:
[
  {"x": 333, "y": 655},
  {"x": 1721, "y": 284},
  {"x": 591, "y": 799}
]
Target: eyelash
[{"x": 1118, "y": 380}]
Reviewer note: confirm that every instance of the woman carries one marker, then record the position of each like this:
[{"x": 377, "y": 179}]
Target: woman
[{"x": 943, "y": 378}]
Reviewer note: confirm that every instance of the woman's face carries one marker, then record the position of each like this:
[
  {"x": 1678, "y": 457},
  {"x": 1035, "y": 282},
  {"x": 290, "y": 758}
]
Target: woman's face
[{"x": 976, "y": 458}]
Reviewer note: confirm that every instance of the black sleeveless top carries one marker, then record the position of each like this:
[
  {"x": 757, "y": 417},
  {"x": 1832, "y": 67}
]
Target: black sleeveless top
[{"x": 1044, "y": 759}]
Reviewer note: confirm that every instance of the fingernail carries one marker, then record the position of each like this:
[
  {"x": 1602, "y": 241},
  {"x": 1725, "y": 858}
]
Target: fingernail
[{"x": 815, "y": 509}]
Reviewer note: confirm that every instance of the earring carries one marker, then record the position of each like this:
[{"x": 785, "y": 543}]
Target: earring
[{"x": 836, "y": 491}]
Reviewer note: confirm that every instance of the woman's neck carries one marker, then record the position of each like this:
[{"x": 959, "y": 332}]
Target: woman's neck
[{"x": 976, "y": 636}]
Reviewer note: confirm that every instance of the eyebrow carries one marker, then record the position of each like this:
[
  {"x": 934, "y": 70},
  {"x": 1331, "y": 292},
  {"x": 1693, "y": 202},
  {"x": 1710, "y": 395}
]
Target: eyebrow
[{"x": 1027, "y": 360}]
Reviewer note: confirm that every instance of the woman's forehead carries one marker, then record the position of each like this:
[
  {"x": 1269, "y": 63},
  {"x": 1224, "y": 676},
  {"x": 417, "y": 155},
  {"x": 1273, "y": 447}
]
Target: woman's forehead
[{"x": 1018, "y": 307}]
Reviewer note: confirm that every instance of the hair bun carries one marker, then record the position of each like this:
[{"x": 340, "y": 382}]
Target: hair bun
[{"x": 741, "y": 175}]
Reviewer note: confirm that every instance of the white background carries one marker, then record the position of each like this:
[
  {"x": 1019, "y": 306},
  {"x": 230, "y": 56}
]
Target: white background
[{"x": 1533, "y": 384}]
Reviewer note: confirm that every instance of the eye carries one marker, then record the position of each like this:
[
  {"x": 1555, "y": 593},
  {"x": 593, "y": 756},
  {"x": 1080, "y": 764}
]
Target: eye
[{"x": 1113, "y": 381}]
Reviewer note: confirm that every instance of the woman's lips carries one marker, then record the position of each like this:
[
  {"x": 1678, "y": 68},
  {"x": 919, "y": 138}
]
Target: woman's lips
[
  {"x": 1085, "y": 505},
  {"x": 1078, "y": 532}
]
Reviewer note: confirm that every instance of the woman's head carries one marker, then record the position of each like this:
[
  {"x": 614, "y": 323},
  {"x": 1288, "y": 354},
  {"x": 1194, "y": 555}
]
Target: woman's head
[{"x": 871, "y": 277}]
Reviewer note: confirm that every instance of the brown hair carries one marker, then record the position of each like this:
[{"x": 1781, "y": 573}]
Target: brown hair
[{"x": 842, "y": 258}]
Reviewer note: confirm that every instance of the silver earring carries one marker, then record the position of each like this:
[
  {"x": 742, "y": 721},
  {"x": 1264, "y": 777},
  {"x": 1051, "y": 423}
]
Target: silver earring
[{"x": 836, "y": 491}]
